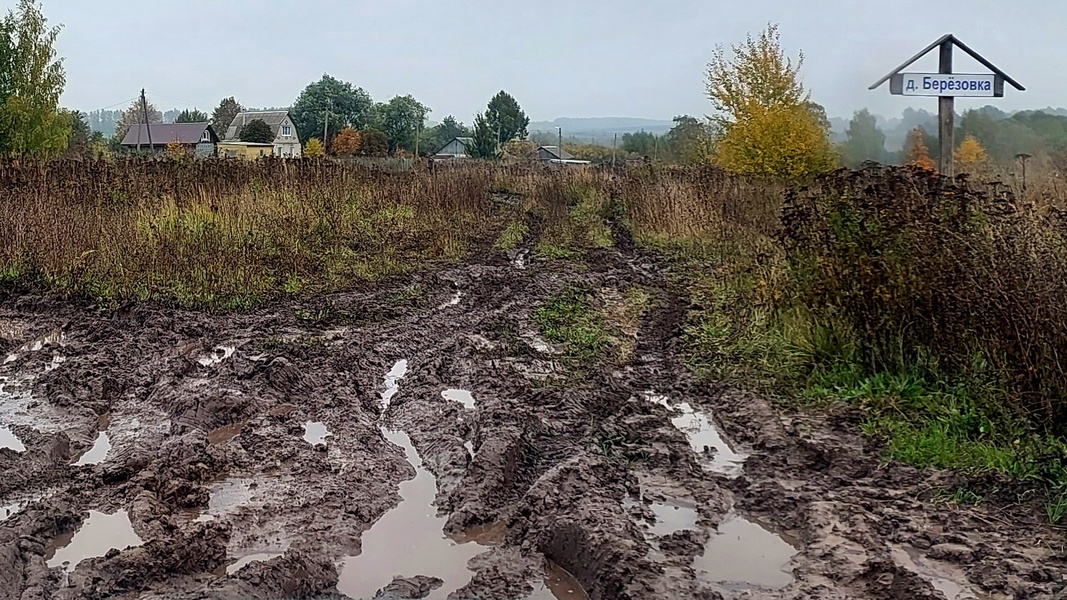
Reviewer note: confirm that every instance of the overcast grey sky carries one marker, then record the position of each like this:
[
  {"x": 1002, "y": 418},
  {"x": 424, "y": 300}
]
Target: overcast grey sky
[{"x": 576, "y": 58}]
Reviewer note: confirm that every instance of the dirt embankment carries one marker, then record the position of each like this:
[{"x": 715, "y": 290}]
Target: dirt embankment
[{"x": 261, "y": 455}]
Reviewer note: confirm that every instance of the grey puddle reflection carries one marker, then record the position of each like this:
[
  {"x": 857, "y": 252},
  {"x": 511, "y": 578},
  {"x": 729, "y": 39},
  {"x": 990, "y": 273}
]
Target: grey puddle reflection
[
  {"x": 315, "y": 433},
  {"x": 97, "y": 535},
  {"x": 741, "y": 554},
  {"x": 672, "y": 517},
  {"x": 700, "y": 429},
  {"x": 914, "y": 561},
  {"x": 8, "y": 439},
  {"x": 101, "y": 447},
  {"x": 408, "y": 540},
  {"x": 462, "y": 396},
  {"x": 217, "y": 355},
  {"x": 558, "y": 585}
]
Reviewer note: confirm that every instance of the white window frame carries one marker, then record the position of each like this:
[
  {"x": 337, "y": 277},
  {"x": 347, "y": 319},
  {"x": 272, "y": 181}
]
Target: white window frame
[{"x": 287, "y": 131}]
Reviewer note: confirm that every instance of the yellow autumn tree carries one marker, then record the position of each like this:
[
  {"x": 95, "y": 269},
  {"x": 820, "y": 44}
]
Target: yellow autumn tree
[
  {"x": 314, "y": 148},
  {"x": 970, "y": 154},
  {"x": 767, "y": 122},
  {"x": 916, "y": 152}
]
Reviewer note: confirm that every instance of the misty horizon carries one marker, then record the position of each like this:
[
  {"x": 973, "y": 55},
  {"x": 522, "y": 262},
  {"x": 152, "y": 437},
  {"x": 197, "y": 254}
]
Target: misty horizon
[{"x": 623, "y": 59}]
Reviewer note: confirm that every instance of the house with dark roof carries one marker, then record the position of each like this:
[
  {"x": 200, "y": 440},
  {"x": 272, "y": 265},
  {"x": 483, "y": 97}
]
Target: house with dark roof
[
  {"x": 286, "y": 139},
  {"x": 455, "y": 148},
  {"x": 553, "y": 154},
  {"x": 199, "y": 139}
]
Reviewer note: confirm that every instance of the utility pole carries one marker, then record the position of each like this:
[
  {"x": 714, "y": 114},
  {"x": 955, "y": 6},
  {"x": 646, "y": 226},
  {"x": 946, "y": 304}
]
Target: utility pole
[
  {"x": 946, "y": 113},
  {"x": 326, "y": 129},
  {"x": 559, "y": 148},
  {"x": 147, "y": 125},
  {"x": 614, "y": 144}
]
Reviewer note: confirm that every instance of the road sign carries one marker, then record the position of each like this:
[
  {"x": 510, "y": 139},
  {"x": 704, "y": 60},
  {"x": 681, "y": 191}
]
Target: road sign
[
  {"x": 946, "y": 85},
  {"x": 956, "y": 85}
]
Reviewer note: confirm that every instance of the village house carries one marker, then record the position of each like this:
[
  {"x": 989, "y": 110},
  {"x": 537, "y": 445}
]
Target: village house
[
  {"x": 245, "y": 150},
  {"x": 198, "y": 139},
  {"x": 554, "y": 154},
  {"x": 455, "y": 148},
  {"x": 286, "y": 140}
]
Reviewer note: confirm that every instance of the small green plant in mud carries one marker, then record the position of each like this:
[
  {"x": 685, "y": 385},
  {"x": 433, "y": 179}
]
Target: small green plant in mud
[
  {"x": 590, "y": 209},
  {"x": 553, "y": 250},
  {"x": 513, "y": 236},
  {"x": 570, "y": 317},
  {"x": 961, "y": 496},
  {"x": 1056, "y": 509},
  {"x": 313, "y": 315},
  {"x": 406, "y": 295}
]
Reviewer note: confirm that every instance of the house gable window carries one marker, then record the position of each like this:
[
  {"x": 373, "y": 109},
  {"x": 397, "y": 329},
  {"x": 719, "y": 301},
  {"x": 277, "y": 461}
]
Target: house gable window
[
  {"x": 206, "y": 137},
  {"x": 287, "y": 131}
]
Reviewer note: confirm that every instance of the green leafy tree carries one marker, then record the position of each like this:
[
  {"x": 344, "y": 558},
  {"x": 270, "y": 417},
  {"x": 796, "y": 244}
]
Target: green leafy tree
[
  {"x": 224, "y": 114},
  {"x": 690, "y": 141},
  {"x": 373, "y": 143},
  {"x": 193, "y": 116},
  {"x": 484, "y": 139},
  {"x": 445, "y": 131},
  {"x": 642, "y": 143},
  {"x": 134, "y": 115},
  {"x": 257, "y": 131},
  {"x": 506, "y": 118},
  {"x": 402, "y": 119},
  {"x": 80, "y": 140},
  {"x": 346, "y": 105},
  {"x": 864, "y": 141},
  {"x": 30, "y": 85}
]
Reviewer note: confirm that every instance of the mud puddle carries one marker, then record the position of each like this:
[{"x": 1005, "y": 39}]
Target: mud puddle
[
  {"x": 8, "y": 439},
  {"x": 391, "y": 378},
  {"x": 98, "y": 535},
  {"x": 101, "y": 447},
  {"x": 672, "y": 517},
  {"x": 704, "y": 437},
  {"x": 462, "y": 396},
  {"x": 558, "y": 585},
  {"x": 315, "y": 433},
  {"x": 408, "y": 540},
  {"x": 947, "y": 579},
  {"x": 217, "y": 355},
  {"x": 452, "y": 301},
  {"x": 742, "y": 554},
  {"x": 226, "y": 497}
]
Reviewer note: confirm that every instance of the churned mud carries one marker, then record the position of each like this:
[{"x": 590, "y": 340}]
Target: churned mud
[{"x": 438, "y": 446}]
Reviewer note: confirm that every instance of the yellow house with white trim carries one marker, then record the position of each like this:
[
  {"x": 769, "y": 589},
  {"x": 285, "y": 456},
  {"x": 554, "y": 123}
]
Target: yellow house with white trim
[{"x": 244, "y": 150}]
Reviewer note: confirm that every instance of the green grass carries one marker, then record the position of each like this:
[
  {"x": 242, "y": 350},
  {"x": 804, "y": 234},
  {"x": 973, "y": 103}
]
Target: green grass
[
  {"x": 513, "y": 236},
  {"x": 571, "y": 319},
  {"x": 553, "y": 250}
]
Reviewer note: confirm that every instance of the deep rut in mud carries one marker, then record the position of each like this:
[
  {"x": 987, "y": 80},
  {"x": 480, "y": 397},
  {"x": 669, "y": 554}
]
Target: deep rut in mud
[{"x": 437, "y": 446}]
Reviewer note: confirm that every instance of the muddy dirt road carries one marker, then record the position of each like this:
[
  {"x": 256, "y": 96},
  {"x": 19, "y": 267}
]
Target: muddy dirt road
[{"x": 422, "y": 440}]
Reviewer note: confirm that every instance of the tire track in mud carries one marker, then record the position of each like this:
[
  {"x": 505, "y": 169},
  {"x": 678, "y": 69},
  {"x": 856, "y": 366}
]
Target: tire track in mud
[{"x": 578, "y": 471}]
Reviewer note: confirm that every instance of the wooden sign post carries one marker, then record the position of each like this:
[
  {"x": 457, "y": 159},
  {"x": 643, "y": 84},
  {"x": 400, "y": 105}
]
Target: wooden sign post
[{"x": 947, "y": 85}]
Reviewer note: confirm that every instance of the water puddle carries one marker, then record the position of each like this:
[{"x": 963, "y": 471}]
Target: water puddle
[
  {"x": 462, "y": 396},
  {"x": 11, "y": 358},
  {"x": 469, "y": 445},
  {"x": 453, "y": 301},
  {"x": 99, "y": 534},
  {"x": 409, "y": 539},
  {"x": 217, "y": 355},
  {"x": 558, "y": 585},
  {"x": 226, "y": 497},
  {"x": 315, "y": 433},
  {"x": 225, "y": 434},
  {"x": 98, "y": 453},
  {"x": 8, "y": 439},
  {"x": 244, "y": 561},
  {"x": 490, "y": 534},
  {"x": 20, "y": 503},
  {"x": 741, "y": 554},
  {"x": 703, "y": 435},
  {"x": 671, "y": 517},
  {"x": 952, "y": 588},
  {"x": 399, "y": 370},
  {"x": 54, "y": 338}
]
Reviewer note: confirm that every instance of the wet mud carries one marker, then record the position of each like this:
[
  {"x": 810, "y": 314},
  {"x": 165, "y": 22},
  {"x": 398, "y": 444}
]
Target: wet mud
[{"x": 354, "y": 446}]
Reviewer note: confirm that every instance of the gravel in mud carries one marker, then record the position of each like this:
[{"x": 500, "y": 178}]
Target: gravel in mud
[{"x": 149, "y": 453}]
